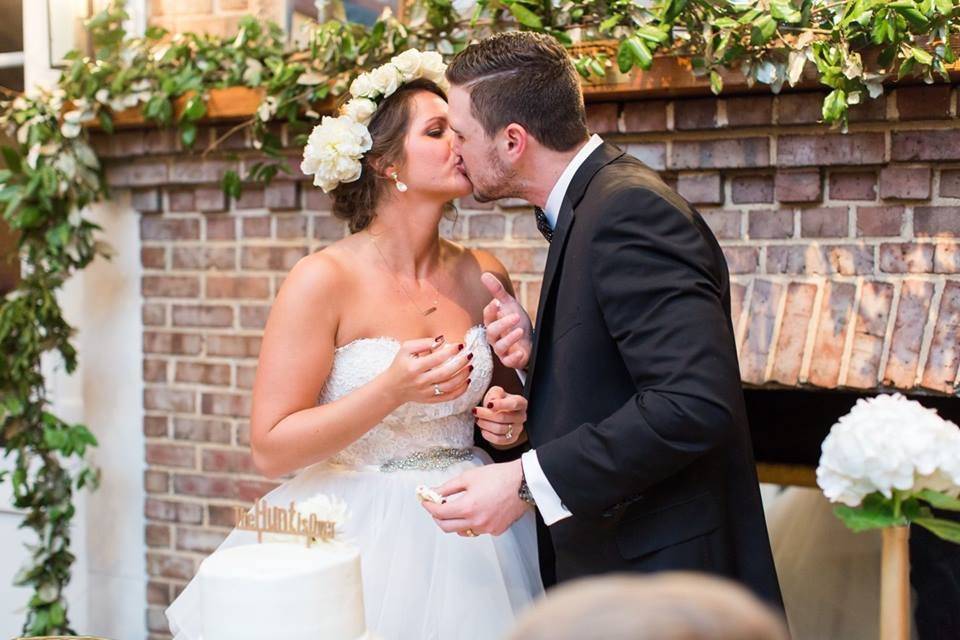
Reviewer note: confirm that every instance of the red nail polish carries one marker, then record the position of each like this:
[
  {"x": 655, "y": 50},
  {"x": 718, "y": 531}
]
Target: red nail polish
[
  {"x": 460, "y": 347},
  {"x": 438, "y": 338},
  {"x": 470, "y": 368},
  {"x": 468, "y": 382},
  {"x": 489, "y": 405},
  {"x": 469, "y": 357},
  {"x": 474, "y": 411}
]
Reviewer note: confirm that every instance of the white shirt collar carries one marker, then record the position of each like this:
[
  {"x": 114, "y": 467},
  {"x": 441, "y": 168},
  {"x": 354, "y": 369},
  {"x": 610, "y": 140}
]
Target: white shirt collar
[{"x": 555, "y": 199}]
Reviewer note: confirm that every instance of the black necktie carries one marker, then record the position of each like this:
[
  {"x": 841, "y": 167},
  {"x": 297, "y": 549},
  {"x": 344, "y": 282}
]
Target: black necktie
[{"x": 543, "y": 224}]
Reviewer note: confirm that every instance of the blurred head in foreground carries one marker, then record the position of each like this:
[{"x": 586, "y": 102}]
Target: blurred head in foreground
[{"x": 666, "y": 606}]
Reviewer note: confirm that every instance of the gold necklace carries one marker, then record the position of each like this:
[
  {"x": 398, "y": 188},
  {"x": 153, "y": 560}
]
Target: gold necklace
[{"x": 436, "y": 299}]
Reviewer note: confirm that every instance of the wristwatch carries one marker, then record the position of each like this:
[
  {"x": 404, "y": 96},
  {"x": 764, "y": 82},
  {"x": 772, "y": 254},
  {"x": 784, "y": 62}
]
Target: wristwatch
[{"x": 524, "y": 491}]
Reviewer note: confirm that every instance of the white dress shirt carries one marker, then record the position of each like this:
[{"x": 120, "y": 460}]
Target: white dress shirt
[{"x": 548, "y": 502}]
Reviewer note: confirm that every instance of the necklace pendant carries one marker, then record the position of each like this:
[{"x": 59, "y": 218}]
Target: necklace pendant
[{"x": 429, "y": 311}]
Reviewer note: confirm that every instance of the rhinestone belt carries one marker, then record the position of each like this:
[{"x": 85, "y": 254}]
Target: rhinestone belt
[{"x": 428, "y": 459}]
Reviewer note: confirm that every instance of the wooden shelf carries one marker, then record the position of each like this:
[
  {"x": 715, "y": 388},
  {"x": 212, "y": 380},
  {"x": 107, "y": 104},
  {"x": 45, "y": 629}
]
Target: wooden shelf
[{"x": 670, "y": 76}]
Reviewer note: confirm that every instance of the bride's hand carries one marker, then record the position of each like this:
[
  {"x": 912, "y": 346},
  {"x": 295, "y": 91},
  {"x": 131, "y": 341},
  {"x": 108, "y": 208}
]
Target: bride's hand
[
  {"x": 501, "y": 417},
  {"x": 423, "y": 367},
  {"x": 508, "y": 326}
]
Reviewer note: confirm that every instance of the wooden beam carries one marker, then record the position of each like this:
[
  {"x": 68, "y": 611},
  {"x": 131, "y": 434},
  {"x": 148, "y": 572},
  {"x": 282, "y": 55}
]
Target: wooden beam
[{"x": 787, "y": 474}]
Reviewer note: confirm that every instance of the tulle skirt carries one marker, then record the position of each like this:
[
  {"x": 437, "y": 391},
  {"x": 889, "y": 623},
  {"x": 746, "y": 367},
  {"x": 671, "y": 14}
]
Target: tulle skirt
[{"x": 419, "y": 583}]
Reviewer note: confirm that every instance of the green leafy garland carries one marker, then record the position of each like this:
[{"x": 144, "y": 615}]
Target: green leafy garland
[{"x": 52, "y": 174}]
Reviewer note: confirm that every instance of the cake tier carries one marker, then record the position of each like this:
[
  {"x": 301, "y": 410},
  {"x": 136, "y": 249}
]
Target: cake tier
[{"x": 277, "y": 590}]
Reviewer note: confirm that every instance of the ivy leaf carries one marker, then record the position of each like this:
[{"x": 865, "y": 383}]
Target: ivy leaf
[
  {"x": 231, "y": 184},
  {"x": 716, "y": 82},
  {"x": 641, "y": 54},
  {"x": 12, "y": 159},
  {"x": 525, "y": 17},
  {"x": 875, "y": 512},
  {"x": 763, "y": 29},
  {"x": 652, "y": 34},
  {"x": 609, "y": 23},
  {"x": 106, "y": 122},
  {"x": 945, "y": 529},
  {"x": 835, "y": 105},
  {"x": 195, "y": 109},
  {"x": 921, "y": 56},
  {"x": 188, "y": 134},
  {"x": 784, "y": 11},
  {"x": 908, "y": 9},
  {"x": 939, "y": 500},
  {"x": 624, "y": 57}
]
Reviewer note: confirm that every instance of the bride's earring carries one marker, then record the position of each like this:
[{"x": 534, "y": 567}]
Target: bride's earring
[{"x": 401, "y": 187}]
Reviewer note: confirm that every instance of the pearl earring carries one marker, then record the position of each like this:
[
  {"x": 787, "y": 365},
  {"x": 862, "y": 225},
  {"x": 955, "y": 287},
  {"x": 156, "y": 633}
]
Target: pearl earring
[{"x": 401, "y": 187}]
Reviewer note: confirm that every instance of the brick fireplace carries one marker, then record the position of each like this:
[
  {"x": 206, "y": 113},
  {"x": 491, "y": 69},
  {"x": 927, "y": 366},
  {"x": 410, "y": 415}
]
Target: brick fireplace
[{"x": 842, "y": 247}]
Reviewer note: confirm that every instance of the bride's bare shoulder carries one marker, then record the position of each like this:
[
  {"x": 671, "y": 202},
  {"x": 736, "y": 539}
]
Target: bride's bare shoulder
[{"x": 317, "y": 275}]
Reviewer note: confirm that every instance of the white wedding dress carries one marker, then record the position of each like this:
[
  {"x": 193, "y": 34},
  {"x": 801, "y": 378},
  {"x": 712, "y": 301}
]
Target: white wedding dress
[{"x": 419, "y": 583}]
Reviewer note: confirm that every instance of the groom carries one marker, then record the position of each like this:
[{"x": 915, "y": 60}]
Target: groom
[{"x": 641, "y": 457}]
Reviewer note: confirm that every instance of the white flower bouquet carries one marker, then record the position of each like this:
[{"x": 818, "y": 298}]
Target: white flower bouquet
[{"x": 888, "y": 462}]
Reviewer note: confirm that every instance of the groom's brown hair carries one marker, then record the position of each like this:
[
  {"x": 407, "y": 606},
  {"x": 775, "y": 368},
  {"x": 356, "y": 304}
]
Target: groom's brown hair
[{"x": 527, "y": 78}]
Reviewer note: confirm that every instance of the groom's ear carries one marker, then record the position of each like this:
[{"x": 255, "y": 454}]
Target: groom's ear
[{"x": 515, "y": 139}]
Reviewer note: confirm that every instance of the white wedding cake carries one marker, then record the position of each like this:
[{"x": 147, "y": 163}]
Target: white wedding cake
[{"x": 282, "y": 590}]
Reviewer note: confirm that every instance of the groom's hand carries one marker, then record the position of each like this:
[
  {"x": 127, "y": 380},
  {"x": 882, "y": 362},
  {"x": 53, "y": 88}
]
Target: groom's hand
[
  {"x": 508, "y": 326},
  {"x": 486, "y": 500},
  {"x": 501, "y": 417}
]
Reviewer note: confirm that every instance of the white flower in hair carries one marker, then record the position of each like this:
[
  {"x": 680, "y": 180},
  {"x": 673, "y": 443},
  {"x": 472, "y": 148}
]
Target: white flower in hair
[
  {"x": 363, "y": 87},
  {"x": 408, "y": 63},
  {"x": 889, "y": 443},
  {"x": 359, "y": 109},
  {"x": 433, "y": 68},
  {"x": 386, "y": 78},
  {"x": 333, "y": 151},
  {"x": 335, "y": 146}
]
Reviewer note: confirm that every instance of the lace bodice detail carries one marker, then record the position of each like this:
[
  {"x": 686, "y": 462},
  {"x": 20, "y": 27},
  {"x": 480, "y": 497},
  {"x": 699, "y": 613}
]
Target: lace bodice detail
[{"x": 414, "y": 426}]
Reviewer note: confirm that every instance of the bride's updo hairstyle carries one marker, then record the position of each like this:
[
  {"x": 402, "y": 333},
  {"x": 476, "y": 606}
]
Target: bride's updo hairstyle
[{"x": 356, "y": 201}]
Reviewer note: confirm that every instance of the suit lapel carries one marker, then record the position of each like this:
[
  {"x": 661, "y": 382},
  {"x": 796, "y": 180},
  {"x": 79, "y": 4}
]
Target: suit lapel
[{"x": 602, "y": 156}]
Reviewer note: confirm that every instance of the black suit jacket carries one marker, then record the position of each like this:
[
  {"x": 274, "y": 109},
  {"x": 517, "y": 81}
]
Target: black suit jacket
[{"x": 635, "y": 405}]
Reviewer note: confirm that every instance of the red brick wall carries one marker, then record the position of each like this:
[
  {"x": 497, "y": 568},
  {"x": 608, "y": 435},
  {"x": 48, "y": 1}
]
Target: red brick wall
[{"x": 842, "y": 247}]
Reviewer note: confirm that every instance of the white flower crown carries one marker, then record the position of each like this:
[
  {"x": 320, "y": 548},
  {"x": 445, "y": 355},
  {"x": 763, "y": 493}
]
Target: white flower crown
[{"x": 335, "y": 146}]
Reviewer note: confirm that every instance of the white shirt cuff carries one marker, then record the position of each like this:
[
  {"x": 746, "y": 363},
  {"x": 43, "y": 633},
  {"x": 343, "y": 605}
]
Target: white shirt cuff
[
  {"x": 548, "y": 502},
  {"x": 522, "y": 375}
]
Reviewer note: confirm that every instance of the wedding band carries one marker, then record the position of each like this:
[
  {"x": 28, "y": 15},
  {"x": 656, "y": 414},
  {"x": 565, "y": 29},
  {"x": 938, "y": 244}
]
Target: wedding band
[
  {"x": 436, "y": 390},
  {"x": 470, "y": 533}
]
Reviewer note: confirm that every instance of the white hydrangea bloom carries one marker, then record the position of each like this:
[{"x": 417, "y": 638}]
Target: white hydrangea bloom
[
  {"x": 333, "y": 151},
  {"x": 886, "y": 443}
]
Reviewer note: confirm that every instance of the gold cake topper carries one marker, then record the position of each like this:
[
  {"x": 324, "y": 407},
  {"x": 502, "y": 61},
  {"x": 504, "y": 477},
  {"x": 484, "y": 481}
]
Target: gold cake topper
[{"x": 266, "y": 519}]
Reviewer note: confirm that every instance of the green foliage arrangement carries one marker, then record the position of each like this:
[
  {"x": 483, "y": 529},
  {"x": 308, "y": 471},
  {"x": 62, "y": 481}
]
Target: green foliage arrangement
[{"x": 52, "y": 173}]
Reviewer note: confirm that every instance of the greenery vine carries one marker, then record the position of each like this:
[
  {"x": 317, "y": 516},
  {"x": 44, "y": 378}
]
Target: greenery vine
[{"x": 52, "y": 174}]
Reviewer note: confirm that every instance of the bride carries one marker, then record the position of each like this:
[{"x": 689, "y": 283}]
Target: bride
[{"x": 372, "y": 362}]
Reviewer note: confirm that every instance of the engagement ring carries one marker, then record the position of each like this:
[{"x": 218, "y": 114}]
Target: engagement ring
[{"x": 436, "y": 390}]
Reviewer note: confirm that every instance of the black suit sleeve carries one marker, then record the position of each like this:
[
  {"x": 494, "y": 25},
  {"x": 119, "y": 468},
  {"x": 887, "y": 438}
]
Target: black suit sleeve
[{"x": 659, "y": 288}]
